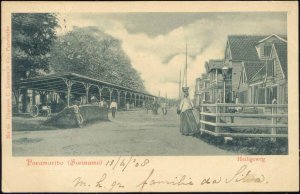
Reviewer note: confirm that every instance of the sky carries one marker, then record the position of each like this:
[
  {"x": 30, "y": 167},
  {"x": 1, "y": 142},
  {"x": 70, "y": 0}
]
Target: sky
[{"x": 156, "y": 42}]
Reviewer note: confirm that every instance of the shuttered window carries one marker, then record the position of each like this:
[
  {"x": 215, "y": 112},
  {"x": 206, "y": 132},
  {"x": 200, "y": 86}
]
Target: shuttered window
[{"x": 267, "y": 50}]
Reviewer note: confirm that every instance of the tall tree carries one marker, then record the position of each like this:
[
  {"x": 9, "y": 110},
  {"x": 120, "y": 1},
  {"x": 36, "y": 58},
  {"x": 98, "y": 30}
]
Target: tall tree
[
  {"x": 32, "y": 37},
  {"x": 91, "y": 52}
]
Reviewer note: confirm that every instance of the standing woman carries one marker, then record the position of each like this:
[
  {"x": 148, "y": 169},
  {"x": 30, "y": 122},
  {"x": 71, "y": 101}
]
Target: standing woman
[{"x": 188, "y": 124}]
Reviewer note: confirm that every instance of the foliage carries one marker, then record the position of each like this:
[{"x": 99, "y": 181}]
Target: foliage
[
  {"x": 89, "y": 51},
  {"x": 32, "y": 37},
  {"x": 243, "y": 145}
]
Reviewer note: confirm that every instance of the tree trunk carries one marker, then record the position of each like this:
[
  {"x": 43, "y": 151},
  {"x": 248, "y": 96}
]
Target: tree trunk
[
  {"x": 16, "y": 95},
  {"x": 24, "y": 100}
]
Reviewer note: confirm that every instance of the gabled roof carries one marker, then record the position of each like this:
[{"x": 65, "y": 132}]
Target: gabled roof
[
  {"x": 280, "y": 37},
  {"x": 242, "y": 47},
  {"x": 215, "y": 64},
  {"x": 259, "y": 76},
  {"x": 254, "y": 70},
  {"x": 281, "y": 50}
]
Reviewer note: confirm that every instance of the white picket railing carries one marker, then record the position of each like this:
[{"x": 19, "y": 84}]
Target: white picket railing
[{"x": 221, "y": 110}]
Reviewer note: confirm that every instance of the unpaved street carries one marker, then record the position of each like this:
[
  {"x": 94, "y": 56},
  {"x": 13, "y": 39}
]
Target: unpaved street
[{"x": 130, "y": 133}]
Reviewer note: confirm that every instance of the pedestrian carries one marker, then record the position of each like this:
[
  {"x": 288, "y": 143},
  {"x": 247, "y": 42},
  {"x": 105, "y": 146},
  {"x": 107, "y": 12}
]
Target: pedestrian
[
  {"x": 94, "y": 100},
  {"x": 113, "y": 107},
  {"x": 188, "y": 124},
  {"x": 148, "y": 106},
  {"x": 164, "y": 108},
  {"x": 78, "y": 116},
  {"x": 155, "y": 107},
  {"x": 102, "y": 103}
]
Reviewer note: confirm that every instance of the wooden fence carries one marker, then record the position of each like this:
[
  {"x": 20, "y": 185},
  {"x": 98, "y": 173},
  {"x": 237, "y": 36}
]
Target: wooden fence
[{"x": 262, "y": 118}]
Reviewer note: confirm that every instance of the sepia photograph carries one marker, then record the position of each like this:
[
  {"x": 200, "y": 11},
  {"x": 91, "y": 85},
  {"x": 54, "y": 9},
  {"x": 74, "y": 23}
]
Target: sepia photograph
[
  {"x": 116, "y": 84},
  {"x": 149, "y": 96}
]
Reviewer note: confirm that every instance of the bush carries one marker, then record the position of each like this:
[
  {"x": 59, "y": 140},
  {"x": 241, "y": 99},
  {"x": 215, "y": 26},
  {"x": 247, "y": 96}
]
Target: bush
[{"x": 254, "y": 146}]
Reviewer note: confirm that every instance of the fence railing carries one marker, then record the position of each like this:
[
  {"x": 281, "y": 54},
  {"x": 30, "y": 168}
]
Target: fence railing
[{"x": 244, "y": 120}]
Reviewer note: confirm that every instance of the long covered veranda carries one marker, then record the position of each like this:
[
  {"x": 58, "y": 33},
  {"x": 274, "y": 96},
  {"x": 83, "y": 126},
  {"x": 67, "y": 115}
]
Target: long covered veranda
[{"x": 63, "y": 88}]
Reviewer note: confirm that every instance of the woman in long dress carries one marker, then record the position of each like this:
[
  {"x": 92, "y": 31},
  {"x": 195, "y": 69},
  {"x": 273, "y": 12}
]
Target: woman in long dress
[{"x": 188, "y": 124}]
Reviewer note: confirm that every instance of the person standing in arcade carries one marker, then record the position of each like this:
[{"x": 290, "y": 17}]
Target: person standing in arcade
[{"x": 113, "y": 107}]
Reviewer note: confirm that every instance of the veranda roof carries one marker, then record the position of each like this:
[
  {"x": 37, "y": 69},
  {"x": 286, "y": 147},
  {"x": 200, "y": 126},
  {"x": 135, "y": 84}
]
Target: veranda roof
[{"x": 56, "y": 82}]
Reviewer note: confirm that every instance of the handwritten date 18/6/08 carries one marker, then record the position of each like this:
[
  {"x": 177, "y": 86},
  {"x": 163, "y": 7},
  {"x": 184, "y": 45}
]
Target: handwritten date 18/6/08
[{"x": 124, "y": 163}]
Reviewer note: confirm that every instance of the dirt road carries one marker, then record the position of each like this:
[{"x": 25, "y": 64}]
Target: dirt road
[{"x": 130, "y": 133}]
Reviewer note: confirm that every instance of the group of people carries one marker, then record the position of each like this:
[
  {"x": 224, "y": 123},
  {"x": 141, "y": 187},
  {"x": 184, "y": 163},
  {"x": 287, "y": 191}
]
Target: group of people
[
  {"x": 113, "y": 106},
  {"x": 102, "y": 104},
  {"x": 154, "y": 106}
]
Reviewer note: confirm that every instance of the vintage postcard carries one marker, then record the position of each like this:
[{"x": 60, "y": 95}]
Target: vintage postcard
[{"x": 149, "y": 96}]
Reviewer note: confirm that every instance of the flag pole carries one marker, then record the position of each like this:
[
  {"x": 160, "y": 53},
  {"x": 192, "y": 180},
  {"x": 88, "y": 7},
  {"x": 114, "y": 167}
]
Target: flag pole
[
  {"x": 185, "y": 64},
  {"x": 179, "y": 85}
]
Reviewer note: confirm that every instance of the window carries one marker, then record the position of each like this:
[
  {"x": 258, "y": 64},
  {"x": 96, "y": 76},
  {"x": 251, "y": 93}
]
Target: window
[
  {"x": 267, "y": 50},
  {"x": 243, "y": 76}
]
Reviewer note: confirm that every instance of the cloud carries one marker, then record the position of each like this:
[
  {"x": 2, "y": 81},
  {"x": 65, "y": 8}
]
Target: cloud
[{"x": 160, "y": 58}]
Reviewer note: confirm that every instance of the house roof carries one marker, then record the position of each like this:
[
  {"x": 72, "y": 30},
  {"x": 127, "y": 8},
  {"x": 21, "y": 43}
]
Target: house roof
[
  {"x": 254, "y": 70},
  {"x": 280, "y": 37},
  {"x": 281, "y": 50},
  {"x": 242, "y": 47},
  {"x": 259, "y": 76},
  {"x": 215, "y": 64}
]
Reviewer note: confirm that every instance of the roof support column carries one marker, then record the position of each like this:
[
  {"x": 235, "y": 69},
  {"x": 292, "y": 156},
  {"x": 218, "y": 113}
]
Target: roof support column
[
  {"x": 119, "y": 93},
  {"x": 87, "y": 88},
  {"x": 143, "y": 101},
  {"x": 69, "y": 84},
  {"x": 134, "y": 100},
  {"x": 139, "y": 100},
  {"x": 130, "y": 98},
  {"x": 100, "y": 92},
  {"x": 110, "y": 93},
  {"x": 17, "y": 96},
  {"x": 125, "y": 102}
]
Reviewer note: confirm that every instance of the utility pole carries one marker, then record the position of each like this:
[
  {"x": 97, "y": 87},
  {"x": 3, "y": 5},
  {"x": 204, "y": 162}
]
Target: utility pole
[{"x": 185, "y": 70}]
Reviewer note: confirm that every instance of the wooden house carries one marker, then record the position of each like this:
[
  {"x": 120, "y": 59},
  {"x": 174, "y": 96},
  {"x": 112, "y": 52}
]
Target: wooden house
[
  {"x": 216, "y": 87},
  {"x": 202, "y": 90},
  {"x": 245, "y": 55},
  {"x": 276, "y": 81},
  {"x": 262, "y": 82}
]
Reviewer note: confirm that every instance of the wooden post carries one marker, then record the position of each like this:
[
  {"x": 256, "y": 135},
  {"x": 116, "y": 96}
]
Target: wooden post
[
  {"x": 125, "y": 102},
  {"x": 217, "y": 129},
  {"x": 110, "y": 93},
  {"x": 33, "y": 97},
  {"x": 134, "y": 100},
  {"x": 69, "y": 84},
  {"x": 119, "y": 92},
  {"x": 100, "y": 92},
  {"x": 17, "y": 96},
  {"x": 130, "y": 98},
  {"x": 87, "y": 88},
  {"x": 274, "y": 120},
  {"x": 202, "y": 118}
]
